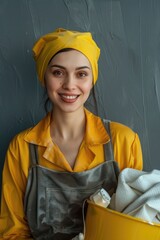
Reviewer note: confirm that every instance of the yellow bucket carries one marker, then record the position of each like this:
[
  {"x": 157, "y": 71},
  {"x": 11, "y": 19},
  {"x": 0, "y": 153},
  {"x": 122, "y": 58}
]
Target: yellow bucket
[{"x": 105, "y": 224}]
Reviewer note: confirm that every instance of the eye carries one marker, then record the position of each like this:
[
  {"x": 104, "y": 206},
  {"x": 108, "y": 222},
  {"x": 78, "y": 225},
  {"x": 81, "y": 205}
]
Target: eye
[
  {"x": 82, "y": 74},
  {"x": 58, "y": 73}
]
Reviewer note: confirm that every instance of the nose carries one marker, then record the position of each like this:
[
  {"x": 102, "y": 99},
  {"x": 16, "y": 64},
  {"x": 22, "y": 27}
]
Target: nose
[{"x": 69, "y": 82}]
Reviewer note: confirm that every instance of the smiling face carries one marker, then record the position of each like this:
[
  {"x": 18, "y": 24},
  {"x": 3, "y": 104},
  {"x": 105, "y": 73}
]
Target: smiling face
[{"x": 68, "y": 80}]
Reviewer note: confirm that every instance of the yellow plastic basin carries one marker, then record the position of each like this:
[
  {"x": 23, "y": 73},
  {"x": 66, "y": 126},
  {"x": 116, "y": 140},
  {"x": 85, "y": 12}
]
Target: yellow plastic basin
[{"x": 105, "y": 224}]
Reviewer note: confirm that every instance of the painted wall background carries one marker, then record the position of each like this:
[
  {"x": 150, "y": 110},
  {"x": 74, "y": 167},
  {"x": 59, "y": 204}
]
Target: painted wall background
[{"x": 128, "y": 33}]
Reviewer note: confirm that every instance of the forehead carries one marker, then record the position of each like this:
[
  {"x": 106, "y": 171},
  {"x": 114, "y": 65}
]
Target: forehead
[{"x": 70, "y": 58}]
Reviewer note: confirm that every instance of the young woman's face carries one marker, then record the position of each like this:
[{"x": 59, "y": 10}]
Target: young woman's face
[{"x": 68, "y": 80}]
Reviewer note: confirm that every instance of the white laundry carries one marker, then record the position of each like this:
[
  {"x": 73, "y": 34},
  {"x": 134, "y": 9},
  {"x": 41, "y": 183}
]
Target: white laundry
[
  {"x": 138, "y": 194},
  {"x": 80, "y": 236}
]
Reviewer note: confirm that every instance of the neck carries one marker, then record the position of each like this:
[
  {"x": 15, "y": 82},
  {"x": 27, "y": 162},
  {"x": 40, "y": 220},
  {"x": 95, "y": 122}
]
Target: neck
[{"x": 67, "y": 125}]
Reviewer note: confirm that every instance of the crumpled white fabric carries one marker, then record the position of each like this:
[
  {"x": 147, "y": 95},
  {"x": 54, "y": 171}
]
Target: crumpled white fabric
[
  {"x": 138, "y": 194},
  {"x": 80, "y": 236}
]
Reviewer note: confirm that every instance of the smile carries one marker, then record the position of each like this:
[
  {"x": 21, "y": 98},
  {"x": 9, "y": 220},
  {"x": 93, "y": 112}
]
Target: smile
[{"x": 69, "y": 97}]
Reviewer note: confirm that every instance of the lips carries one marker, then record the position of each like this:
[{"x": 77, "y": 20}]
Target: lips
[{"x": 68, "y": 98}]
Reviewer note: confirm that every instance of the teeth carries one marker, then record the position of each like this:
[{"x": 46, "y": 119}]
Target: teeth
[{"x": 69, "y": 97}]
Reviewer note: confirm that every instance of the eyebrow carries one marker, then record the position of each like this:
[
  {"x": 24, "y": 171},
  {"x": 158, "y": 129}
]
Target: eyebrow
[{"x": 78, "y": 68}]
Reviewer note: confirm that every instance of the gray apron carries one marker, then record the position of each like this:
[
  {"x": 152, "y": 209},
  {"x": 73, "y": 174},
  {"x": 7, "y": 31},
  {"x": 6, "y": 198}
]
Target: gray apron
[{"x": 53, "y": 200}]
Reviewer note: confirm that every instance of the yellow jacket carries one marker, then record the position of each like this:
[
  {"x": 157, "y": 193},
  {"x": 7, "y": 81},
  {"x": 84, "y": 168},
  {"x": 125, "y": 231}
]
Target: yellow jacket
[{"x": 127, "y": 152}]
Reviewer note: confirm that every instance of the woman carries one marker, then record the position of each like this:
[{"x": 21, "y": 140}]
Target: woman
[{"x": 53, "y": 167}]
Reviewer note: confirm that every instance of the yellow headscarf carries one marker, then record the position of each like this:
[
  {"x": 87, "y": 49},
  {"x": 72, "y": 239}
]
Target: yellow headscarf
[{"x": 48, "y": 45}]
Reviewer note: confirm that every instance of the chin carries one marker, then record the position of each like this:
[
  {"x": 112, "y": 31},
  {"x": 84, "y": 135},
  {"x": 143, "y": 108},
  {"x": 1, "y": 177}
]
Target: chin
[{"x": 70, "y": 109}]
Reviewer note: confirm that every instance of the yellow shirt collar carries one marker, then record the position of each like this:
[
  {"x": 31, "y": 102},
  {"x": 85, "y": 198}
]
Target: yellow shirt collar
[
  {"x": 40, "y": 134},
  {"x": 95, "y": 131}
]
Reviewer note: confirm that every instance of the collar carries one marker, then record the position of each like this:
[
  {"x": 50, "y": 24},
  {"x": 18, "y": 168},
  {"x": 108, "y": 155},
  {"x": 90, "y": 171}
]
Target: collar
[
  {"x": 40, "y": 134},
  {"x": 95, "y": 131}
]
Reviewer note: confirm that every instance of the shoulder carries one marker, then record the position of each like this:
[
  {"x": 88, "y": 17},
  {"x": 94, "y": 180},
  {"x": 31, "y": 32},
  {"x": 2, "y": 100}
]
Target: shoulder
[
  {"x": 17, "y": 155},
  {"x": 124, "y": 138},
  {"x": 18, "y": 142},
  {"x": 127, "y": 146},
  {"x": 19, "y": 137},
  {"x": 120, "y": 130}
]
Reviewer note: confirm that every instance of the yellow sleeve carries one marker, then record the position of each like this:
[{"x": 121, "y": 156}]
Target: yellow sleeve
[
  {"x": 127, "y": 147},
  {"x": 136, "y": 159},
  {"x": 13, "y": 224}
]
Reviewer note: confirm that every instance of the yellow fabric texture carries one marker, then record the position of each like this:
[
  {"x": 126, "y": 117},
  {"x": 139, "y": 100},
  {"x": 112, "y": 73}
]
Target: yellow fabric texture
[
  {"x": 127, "y": 152},
  {"x": 48, "y": 45}
]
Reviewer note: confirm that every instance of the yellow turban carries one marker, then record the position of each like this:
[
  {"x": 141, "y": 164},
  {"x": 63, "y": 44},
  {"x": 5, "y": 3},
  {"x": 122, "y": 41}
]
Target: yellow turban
[{"x": 48, "y": 45}]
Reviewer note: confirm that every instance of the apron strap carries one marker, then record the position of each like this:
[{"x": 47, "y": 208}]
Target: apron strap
[
  {"x": 33, "y": 154},
  {"x": 108, "y": 148}
]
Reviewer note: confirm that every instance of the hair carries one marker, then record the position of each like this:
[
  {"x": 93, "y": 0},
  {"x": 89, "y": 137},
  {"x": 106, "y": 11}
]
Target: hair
[{"x": 62, "y": 50}]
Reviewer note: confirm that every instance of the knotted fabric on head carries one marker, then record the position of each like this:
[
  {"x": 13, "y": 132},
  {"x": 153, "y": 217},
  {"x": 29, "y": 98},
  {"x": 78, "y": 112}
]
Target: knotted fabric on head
[{"x": 48, "y": 45}]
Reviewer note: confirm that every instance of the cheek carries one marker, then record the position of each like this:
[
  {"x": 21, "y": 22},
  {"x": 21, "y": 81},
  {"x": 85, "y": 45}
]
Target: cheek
[
  {"x": 87, "y": 88},
  {"x": 49, "y": 88},
  {"x": 52, "y": 85}
]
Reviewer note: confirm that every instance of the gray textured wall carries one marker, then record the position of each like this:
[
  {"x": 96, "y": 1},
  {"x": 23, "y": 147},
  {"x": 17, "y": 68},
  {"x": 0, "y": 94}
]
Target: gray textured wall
[{"x": 128, "y": 33}]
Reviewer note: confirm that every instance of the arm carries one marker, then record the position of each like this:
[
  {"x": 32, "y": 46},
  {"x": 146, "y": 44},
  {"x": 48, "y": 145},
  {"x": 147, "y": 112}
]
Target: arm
[
  {"x": 13, "y": 224},
  {"x": 136, "y": 159}
]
